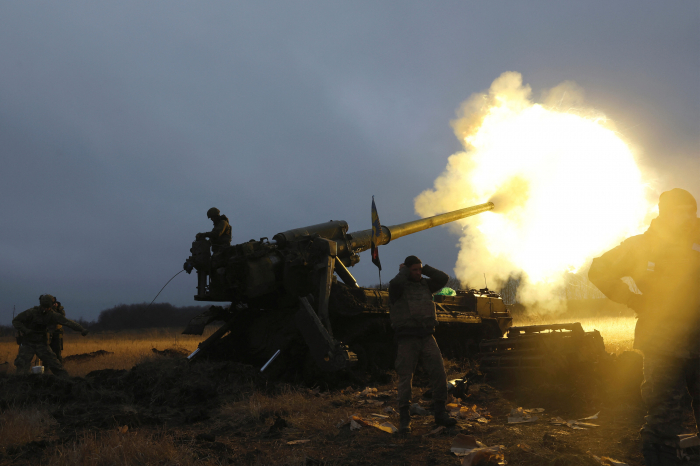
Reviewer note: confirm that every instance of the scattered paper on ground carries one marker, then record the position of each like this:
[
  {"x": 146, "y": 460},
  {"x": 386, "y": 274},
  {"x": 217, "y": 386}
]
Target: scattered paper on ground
[
  {"x": 574, "y": 424},
  {"x": 462, "y": 444},
  {"x": 609, "y": 461},
  {"x": 473, "y": 452},
  {"x": 384, "y": 426},
  {"x": 521, "y": 416}
]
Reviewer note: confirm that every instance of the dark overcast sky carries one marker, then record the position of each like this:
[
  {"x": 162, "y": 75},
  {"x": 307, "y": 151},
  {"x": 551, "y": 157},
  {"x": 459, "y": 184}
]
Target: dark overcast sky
[{"x": 121, "y": 123}]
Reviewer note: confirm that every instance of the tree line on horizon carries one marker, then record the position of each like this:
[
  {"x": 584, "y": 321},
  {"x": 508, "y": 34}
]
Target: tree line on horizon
[{"x": 133, "y": 317}]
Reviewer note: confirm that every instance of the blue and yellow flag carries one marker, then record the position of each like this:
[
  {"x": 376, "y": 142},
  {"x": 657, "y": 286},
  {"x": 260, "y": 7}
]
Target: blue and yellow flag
[{"x": 376, "y": 234}]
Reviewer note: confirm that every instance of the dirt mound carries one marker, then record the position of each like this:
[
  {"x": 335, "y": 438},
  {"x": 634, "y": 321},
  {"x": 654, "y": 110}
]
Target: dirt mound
[
  {"x": 86, "y": 356},
  {"x": 169, "y": 391},
  {"x": 172, "y": 352}
]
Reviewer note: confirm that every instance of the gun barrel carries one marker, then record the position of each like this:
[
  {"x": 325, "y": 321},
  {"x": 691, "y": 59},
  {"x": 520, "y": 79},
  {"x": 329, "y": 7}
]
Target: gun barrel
[
  {"x": 361, "y": 240},
  {"x": 408, "y": 228}
]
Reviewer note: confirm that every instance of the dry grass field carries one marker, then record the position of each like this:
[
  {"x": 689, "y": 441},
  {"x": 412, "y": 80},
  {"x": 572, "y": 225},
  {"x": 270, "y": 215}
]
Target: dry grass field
[
  {"x": 129, "y": 348},
  {"x": 167, "y": 412}
]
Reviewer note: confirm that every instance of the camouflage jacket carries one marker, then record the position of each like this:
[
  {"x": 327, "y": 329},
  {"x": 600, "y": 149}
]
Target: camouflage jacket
[
  {"x": 221, "y": 234},
  {"x": 412, "y": 309},
  {"x": 58, "y": 328},
  {"x": 666, "y": 271},
  {"x": 34, "y": 324}
]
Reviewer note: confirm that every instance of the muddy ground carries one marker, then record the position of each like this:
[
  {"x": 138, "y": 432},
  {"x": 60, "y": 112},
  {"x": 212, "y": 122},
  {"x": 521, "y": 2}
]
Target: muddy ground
[{"x": 228, "y": 413}]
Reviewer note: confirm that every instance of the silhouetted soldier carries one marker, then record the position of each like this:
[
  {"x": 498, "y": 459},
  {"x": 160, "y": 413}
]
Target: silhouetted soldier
[
  {"x": 665, "y": 265},
  {"x": 56, "y": 336},
  {"x": 413, "y": 319},
  {"x": 33, "y": 327},
  {"x": 220, "y": 235}
]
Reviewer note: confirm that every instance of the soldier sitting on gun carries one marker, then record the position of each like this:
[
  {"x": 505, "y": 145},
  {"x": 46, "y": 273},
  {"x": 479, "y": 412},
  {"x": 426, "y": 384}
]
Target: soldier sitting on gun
[
  {"x": 33, "y": 327},
  {"x": 413, "y": 318},
  {"x": 220, "y": 235}
]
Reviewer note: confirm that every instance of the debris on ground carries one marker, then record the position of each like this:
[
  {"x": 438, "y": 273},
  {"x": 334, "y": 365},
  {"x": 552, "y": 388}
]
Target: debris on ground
[
  {"x": 356, "y": 422},
  {"x": 595, "y": 416},
  {"x": 462, "y": 444},
  {"x": 368, "y": 393},
  {"x": 472, "y": 413},
  {"x": 576, "y": 424},
  {"x": 435, "y": 432},
  {"x": 384, "y": 426},
  {"x": 297, "y": 442},
  {"x": 474, "y": 452},
  {"x": 418, "y": 410},
  {"x": 522, "y": 416},
  {"x": 370, "y": 403},
  {"x": 85, "y": 356},
  {"x": 609, "y": 461},
  {"x": 526, "y": 448},
  {"x": 390, "y": 410}
]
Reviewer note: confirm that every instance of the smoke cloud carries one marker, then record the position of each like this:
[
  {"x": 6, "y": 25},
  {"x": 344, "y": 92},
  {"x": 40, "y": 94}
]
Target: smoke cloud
[{"x": 566, "y": 188}]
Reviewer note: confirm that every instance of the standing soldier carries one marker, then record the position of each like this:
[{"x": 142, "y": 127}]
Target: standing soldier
[
  {"x": 33, "y": 327},
  {"x": 664, "y": 263},
  {"x": 220, "y": 235},
  {"x": 413, "y": 319},
  {"x": 56, "y": 340}
]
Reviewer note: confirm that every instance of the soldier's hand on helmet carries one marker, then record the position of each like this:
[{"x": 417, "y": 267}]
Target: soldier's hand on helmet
[
  {"x": 401, "y": 267},
  {"x": 84, "y": 332}
]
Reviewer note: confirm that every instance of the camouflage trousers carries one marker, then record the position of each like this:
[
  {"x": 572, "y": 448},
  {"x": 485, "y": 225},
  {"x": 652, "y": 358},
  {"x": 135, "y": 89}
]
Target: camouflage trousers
[
  {"x": 43, "y": 351},
  {"x": 666, "y": 381},
  {"x": 56, "y": 345},
  {"x": 409, "y": 351}
]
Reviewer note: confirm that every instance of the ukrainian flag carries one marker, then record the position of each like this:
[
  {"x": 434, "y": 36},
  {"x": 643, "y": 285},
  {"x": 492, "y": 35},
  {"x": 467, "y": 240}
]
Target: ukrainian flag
[{"x": 376, "y": 235}]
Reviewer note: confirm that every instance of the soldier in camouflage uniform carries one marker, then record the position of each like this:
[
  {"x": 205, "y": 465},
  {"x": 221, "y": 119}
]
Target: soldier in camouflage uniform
[
  {"x": 413, "y": 318},
  {"x": 220, "y": 235},
  {"x": 665, "y": 265},
  {"x": 33, "y": 327},
  {"x": 56, "y": 336}
]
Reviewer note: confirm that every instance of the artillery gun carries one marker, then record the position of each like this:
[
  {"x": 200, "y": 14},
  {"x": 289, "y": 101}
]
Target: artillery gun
[{"x": 284, "y": 295}]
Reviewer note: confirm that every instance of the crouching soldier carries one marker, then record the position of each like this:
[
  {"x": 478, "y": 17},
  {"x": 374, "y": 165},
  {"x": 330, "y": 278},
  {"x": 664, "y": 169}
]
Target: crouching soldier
[
  {"x": 413, "y": 319},
  {"x": 33, "y": 327}
]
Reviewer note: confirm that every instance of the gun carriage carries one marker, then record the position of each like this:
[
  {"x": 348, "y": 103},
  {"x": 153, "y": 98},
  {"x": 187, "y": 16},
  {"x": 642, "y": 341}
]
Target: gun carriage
[{"x": 284, "y": 294}]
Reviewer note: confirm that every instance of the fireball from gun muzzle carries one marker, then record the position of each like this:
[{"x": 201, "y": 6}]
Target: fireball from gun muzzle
[{"x": 565, "y": 185}]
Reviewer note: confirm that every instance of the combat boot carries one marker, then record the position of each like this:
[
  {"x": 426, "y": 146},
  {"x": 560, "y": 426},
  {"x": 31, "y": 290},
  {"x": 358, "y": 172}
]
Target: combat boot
[
  {"x": 404, "y": 420},
  {"x": 441, "y": 416}
]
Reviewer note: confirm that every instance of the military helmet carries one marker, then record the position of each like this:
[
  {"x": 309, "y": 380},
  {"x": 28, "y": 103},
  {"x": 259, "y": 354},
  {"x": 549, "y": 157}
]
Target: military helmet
[
  {"x": 213, "y": 212},
  {"x": 46, "y": 300}
]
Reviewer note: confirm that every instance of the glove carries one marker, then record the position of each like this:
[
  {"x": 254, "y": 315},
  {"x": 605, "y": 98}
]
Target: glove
[{"x": 84, "y": 332}]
